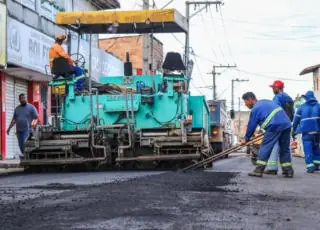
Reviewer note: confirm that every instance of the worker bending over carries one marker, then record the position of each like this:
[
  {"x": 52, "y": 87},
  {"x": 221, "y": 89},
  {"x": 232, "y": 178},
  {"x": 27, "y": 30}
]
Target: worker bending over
[
  {"x": 57, "y": 51},
  {"x": 285, "y": 101},
  {"x": 271, "y": 118},
  {"x": 307, "y": 122}
]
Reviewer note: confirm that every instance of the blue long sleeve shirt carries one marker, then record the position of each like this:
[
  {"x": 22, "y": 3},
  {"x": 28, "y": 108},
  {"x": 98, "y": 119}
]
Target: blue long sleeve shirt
[
  {"x": 282, "y": 99},
  {"x": 259, "y": 114}
]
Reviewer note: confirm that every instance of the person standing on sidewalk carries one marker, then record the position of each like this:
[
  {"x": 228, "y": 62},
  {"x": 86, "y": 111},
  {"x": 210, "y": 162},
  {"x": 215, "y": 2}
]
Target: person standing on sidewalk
[
  {"x": 25, "y": 117},
  {"x": 285, "y": 101},
  {"x": 307, "y": 121},
  {"x": 271, "y": 118}
]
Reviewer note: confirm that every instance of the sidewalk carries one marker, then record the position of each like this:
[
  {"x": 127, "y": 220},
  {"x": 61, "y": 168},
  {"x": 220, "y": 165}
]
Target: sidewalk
[{"x": 9, "y": 164}]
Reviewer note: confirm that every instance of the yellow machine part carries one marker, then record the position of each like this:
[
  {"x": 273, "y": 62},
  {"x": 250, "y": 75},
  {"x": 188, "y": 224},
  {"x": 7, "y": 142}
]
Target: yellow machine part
[
  {"x": 165, "y": 20},
  {"x": 61, "y": 89}
]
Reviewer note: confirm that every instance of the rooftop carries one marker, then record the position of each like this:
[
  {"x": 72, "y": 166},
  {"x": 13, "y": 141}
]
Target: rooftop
[{"x": 310, "y": 69}]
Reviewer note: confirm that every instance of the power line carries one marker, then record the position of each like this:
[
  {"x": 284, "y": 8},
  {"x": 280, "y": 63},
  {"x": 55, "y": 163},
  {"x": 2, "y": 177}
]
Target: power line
[
  {"x": 199, "y": 70},
  {"x": 219, "y": 45},
  {"x": 266, "y": 24},
  {"x": 197, "y": 89},
  {"x": 226, "y": 35},
  {"x": 167, "y": 4},
  {"x": 177, "y": 39},
  {"x": 275, "y": 37},
  {"x": 269, "y": 77},
  {"x": 205, "y": 32}
]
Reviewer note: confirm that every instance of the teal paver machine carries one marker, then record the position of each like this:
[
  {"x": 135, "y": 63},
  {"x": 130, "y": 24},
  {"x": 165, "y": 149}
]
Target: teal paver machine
[{"x": 127, "y": 119}]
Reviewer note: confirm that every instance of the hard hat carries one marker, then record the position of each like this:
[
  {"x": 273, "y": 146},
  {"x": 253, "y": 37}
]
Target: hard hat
[
  {"x": 277, "y": 84},
  {"x": 61, "y": 37}
]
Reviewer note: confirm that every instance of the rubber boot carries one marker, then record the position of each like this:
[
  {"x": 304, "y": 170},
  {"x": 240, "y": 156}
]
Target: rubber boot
[
  {"x": 258, "y": 172},
  {"x": 311, "y": 169},
  {"x": 271, "y": 172},
  {"x": 287, "y": 172}
]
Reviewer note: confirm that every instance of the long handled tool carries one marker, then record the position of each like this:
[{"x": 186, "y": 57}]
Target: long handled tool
[{"x": 222, "y": 154}]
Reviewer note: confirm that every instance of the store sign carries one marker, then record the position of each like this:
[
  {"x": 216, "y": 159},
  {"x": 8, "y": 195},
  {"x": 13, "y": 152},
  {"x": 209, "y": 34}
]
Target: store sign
[
  {"x": 31, "y": 4},
  {"x": 27, "y": 47},
  {"x": 3, "y": 33},
  {"x": 103, "y": 64}
]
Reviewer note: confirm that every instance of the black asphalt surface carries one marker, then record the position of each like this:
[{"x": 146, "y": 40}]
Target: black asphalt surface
[{"x": 222, "y": 198}]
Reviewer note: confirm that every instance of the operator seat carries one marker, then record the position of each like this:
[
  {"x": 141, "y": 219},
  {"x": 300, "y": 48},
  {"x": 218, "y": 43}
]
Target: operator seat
[
  {"x": 173, "y": 62},
  {"x": 61, "y": 68}
]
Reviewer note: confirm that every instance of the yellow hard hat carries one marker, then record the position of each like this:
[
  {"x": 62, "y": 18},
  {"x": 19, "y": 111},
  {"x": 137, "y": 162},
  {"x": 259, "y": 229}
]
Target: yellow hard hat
[{"x": 61, "y": 37}]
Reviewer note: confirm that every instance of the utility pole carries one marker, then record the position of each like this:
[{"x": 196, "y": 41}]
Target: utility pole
[
  {"x": 232, "y": 94},
  {"x": 214, "y": 74},
  {"x": 147, "y": 46},
  {"x": 205, "y": 5},
  {"x": 232, "y": 102}
]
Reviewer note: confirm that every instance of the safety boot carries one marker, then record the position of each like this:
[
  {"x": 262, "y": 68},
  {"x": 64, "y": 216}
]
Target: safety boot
[
  {"x": 271, "y": 172},
  {"x": 287, "y": 172},
  {"x": 311, "y": 169},
  {"x": 254, "y": 160},
  {"x": 258, "y": 172}
]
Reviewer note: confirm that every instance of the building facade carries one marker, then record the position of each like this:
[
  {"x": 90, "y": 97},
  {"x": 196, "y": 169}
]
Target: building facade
[
  {"x": 27, "y": 31},
  {"x": 119, "y": 46}
]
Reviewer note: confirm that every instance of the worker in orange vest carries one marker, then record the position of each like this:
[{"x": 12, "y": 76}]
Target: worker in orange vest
[{"x": 57, "y": 51}]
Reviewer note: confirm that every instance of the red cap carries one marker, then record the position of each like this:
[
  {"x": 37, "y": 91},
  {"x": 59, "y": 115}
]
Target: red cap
[{"x": 277, "y": 84}]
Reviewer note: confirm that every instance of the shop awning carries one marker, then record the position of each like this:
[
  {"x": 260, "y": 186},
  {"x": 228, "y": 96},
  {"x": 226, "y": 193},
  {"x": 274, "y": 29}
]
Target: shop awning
[{"x": 124, "y": 22}]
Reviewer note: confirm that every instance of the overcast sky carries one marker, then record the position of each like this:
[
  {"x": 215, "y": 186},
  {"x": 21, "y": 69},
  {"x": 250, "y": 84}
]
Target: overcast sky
[{"x": 267, "y": 40}]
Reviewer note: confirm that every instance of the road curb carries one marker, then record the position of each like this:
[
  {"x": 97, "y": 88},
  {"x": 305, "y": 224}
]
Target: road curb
[
  {"x": 7, "y": 172},
  {"x": 9, "y": 165}
]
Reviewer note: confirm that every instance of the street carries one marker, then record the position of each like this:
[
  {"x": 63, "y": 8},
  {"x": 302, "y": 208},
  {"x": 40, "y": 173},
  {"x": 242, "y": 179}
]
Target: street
[{"x": 221, "y": 198}]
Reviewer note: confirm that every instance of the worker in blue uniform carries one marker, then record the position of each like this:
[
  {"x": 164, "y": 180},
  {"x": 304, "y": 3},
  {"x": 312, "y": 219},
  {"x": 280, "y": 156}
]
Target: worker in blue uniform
[
  {"x": 285, "y": 101},
  {"x": 271, "y": 118},
  {"x": 307, "y": 122}
]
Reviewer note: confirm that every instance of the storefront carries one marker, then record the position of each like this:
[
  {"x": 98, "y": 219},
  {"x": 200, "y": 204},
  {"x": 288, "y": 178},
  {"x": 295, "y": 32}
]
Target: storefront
[{"x": 27, "y": 58}]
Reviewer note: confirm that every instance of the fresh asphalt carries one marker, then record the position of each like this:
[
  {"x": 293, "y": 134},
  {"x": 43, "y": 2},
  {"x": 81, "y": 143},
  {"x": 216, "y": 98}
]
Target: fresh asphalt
[{"x": 220, "y": 198}]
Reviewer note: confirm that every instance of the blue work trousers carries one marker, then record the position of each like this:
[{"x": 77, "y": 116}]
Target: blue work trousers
[
  {"x": 268, "y": 143},
  {"x": 273, "y": 161},
  {"x": 311, "y": 149},
  {"x": 77, "y": 71},
  {"x": 22, "y": 138}
]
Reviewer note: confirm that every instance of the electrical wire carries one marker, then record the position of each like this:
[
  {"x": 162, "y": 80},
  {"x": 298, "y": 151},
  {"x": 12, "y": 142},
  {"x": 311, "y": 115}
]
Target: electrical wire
[
  {"x": 269, "y": 25},
  {"x": 210, "y": 34},
  {"x": 167, "y": 4},
  {"x": 226, "y": 35},
  {"x": 269, "y": 77},
  {"x": 197, "y": 89},
  {"x": 214, "y": 29},
  {"x": 199, "y": 71}
]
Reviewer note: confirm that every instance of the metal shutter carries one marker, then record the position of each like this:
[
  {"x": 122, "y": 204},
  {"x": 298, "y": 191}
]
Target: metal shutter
[{"x": 14, "y": 87}]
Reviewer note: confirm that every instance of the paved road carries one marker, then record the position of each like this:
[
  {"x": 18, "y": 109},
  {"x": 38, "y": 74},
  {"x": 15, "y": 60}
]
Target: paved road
[{"x": 222, "y": 198}]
